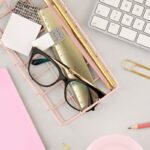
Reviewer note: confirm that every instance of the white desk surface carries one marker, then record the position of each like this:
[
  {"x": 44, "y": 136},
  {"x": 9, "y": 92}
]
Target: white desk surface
[{"x": 130, "y": 104}]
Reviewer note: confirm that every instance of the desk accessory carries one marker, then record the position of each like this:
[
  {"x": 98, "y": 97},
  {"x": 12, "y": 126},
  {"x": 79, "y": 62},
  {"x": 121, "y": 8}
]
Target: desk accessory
[
  {"x": 28, "y": 11},
  {"x": 22, "y": 28},
  {"x": 136, "y": 68},
  {"x": 87, "y": 47},
  {"x": 49, "y": 39},
  {"x": 20, "y": 33},
  {"x": 17, "y": 131},
  {"x": 71, "y": 86},
  {"x": 115, "y": 142},
  {"x": 66, "y": 147},
  {"x": 54, "y": 104},
  {"x": 25, "y": 9},
  {"x": 68, "y": 53},
  {"x": 140, "y": 126},
  {"x": 124, "y": 20}
]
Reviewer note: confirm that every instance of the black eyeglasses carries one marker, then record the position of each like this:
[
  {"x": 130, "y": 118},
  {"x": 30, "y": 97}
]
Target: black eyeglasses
[{"x": 39, "y": 68}]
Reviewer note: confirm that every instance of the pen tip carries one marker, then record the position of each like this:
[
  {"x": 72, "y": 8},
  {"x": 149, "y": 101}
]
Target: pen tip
[{"x": 133, "y": 127}]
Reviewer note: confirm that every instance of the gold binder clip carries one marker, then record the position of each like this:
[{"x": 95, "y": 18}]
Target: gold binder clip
[{"x": 136, "y": 68}]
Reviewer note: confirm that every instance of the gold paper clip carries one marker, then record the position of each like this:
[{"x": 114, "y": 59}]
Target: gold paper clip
[
  {"x": 66, "y": 147},
  {"x": 132, "y": 66}
]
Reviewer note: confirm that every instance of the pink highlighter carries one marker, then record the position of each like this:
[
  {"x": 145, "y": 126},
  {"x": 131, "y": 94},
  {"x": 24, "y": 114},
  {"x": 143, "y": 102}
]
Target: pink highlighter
[{"x": 115, "y": 142}]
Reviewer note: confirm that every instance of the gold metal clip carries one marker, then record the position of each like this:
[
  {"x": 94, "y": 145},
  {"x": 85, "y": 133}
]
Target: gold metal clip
[
  {"x": 66, "y": 147},
  {"x": 136, "y": 68}
]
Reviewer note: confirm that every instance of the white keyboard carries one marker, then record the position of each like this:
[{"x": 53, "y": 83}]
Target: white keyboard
[{"x": 128, "y": 20}]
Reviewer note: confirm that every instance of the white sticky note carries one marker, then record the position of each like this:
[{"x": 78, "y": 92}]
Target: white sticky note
[{"x": 20, "y": 33}]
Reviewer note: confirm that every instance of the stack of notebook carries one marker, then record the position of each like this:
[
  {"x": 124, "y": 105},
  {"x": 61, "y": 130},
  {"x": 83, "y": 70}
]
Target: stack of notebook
[{"x": 17, "y": 131}]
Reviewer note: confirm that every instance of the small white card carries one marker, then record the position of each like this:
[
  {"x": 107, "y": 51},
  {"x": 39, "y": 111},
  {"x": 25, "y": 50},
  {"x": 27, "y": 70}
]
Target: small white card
[
  {"x": 43, "y": 42},
  {"x": 20, "y": 33},
  {"x": 49, "y": 39}
]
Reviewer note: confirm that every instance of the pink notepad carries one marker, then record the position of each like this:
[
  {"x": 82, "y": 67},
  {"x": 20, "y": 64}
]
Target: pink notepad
[{"x": 17, "y": 131}]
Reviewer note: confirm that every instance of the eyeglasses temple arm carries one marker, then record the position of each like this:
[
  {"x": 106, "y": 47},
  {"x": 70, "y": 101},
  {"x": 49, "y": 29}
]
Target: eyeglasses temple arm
[{"x": 72, "y": 72}]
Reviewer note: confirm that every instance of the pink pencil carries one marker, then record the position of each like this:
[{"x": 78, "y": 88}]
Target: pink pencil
[{"x": 140, "y": 126}]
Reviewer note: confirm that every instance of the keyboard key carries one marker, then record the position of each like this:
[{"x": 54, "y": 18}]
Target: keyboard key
[
  {"x": 99, "y": 23},
  {"x": 147, "y": 3},
  {"x": 127, "y": 20},
  {"x": 102, "y": 10},
  {"x": 139, "y": 1},
  {"x": 113, "y": 3},
  {"x": 128, "y": 34},
  {"x": 126, "y": 5},
  {"x": 113, "y": 28},
  {"x": 147, "y": 29},
  {"x": 144, "y": 40},
  {"x": 147, "y": 14},
  {"x": 138, "y": 24},
  {"x": 115, "y": 15},
  {"x": 137, "y": 10}
]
